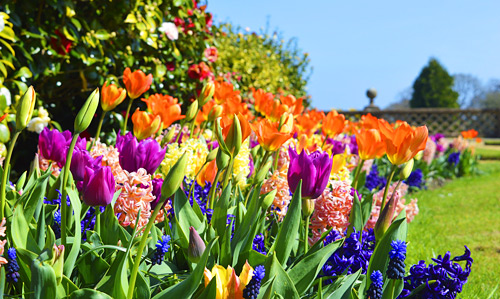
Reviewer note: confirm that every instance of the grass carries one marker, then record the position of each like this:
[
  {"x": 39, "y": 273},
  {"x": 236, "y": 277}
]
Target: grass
[
  {"x": 488, "y": 153},
  {"x": 465, "y": 211}
]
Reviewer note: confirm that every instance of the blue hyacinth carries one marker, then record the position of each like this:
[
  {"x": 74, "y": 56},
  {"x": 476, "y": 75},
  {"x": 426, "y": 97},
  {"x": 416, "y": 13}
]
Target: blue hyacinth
[
  {"x": 252, "y": 289},
  {"x": 12, "y": 268},
  {"x": 397, "y": 255},
  {"x": 258, "y": 244},
  {"x": 449, "y": 276},
  {"x": 375, "y": 289},
  {"x": 454, "y": 158},
  {"x": 162, "y": 248},
  {"x": 415, "y": 179},
  {"x": 373, "y": 180}
]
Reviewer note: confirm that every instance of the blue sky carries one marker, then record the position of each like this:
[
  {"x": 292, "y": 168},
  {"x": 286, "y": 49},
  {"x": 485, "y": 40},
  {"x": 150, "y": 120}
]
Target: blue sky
[{"x": 355, "y": 45}]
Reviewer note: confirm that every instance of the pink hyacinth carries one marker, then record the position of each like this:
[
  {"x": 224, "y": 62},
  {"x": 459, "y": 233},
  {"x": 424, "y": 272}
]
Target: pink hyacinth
[
  {"x": 278, "y": 181},
  {"x": 331, "y": 209},
  {"x": 411, "y": 208},
  {"x": 429, "y": 152}
]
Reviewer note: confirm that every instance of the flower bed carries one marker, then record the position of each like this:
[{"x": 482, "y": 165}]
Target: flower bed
[{"x": 228, "y": 200}]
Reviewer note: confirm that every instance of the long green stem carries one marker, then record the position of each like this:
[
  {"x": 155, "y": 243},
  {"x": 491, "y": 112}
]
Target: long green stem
[
  {"x": 6, "y": 173},
  {"x": 358, "y": 171},
  {"x": 229, "y": 172},
  {"x": 276, "y": 159},
  {"x": 389, "y": 180},
  {"x": 142, "y": 244},
  {"x": 193, "y": 122},
  {"x": 64, "y": 192},
  {"x": 100, "y": 125},
  {"x": 98, "y": 220},
  {"x": 211, "y": 197},
  {"x": 306, "y": 235},
  {"x": 124, "y": 129},
  {"x": 263, "y": 161}
]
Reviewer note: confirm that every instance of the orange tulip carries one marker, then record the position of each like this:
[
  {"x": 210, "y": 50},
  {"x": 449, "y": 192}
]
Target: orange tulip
[
  {"x": 369, "y": 121},
  {"x": 136, "y": 83},
  {"x": 333, "y": 124},
  {"x": 309, "y": 121},
  {"x": 227, "y": 123},
  {"x": 204, "y": 112},
  {"x": 263, "y": 100},
  {"x": 111, "y": 96},
  {"x": 225, "y": 91},
  {"x": 166, "y": 107},
  {"x": 145, "y": 124},
  {"x": 469, "y": 134},
  {"x": 270, "y": 136},
  {"x": 404, "y": 142},
  {"x": 295, "y": 105},
  {"x": 229, "y": 286},
  {"x": 207, "y": 173},
  {"x": 371, "y": 145}
]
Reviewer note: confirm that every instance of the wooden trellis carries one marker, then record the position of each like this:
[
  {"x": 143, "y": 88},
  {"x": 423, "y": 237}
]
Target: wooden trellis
[{"x": 442, "y": 120}]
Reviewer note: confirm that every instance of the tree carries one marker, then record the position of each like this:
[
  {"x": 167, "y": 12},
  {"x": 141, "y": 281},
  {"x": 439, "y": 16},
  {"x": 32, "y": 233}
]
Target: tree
[
  {"x": 490, "y": 98},
  {"x": 469, "y": 89},
  {"x": 434, "y": 88}
]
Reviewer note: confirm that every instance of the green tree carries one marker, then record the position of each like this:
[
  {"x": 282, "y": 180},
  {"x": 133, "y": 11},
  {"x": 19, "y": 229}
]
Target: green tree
[{"x": 434, "y": 88}]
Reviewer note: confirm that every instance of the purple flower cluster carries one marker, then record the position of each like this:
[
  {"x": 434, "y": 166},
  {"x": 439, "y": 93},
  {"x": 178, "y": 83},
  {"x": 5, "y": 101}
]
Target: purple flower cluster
[
  {"x": 252, "y": 289},
  {"x": 436, "y": 138},
  {"x": 12, "y": 268},
  {"x": 375, "y": 289},
  {"x": 397, "y": 256},
  {"x": 352, "y": 256},
  {"x": 56, "y": 226},
  {"x": 454, "y": 158},
  {"x": 373, "y": 180},
  {"x": 448, "y": 275},
  {"x": 258, "y": 244},
  {"x": 415, "y": 179},
  {"x": 200, "y": 195},
  {"x": 162, "y": 248},
  {"x": 88, "y": 222}
]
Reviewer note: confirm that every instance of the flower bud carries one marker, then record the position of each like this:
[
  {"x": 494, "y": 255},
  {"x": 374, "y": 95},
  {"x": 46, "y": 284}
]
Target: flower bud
[
  {"x": 58, "y": 262},
  {"x": 385, "y": 219},
  {"x": 234, "y": 137},
  {"x": 212, "y": 155},
  {"x": 174, "y": 178},
  {"x": 307, "y": 207},
  {"x": 196, "y": 246},
  {"x": 222, "y": 160},
  {"x": 168, "y": 137},
  {"x": 25, "y": 108},
  {"x": 87, "y": 112},
  {"x": 111, "y": 96},
  {"x": 207, "y": 93},
  {"x": 419, "y": 155},
  {"x": 268, "y": 199},
  {"x": 406, "y": 171},
  {"x": 215, "y": 112},
  {"x": 191, "y": 112},
  {"x": 145, "y": 124}
]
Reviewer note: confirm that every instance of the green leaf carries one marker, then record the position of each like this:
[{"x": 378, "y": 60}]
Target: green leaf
[
  {"x": 34, "y": 196},
  {"x": 366, "y": 208},
  {"x": 186, "y": 216},
  {"x": 219, "y": 217},
  {"x": 306, "y": 270},
  {"x": 43, "y": 280},
  {"x": 344, "y": 290},
  {"x": 210, "y": 290},
  {"x": 356, "y": 216},
  {"x": 283, "y": 284},
  {"x": 289, "y": 230},
  {"x": 89, "y": 294},
  {"x": 21, "y": 234},
  {"x": 76, "y": 205},
  {"x": 187, "y": 287}
]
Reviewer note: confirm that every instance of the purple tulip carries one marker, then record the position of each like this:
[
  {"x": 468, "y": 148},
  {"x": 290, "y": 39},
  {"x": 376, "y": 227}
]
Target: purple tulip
[
  {"x": 314, "y": 171},
  {"x": 338, "y": 146},
  {"x": 52, "y": 145},
  {"x": 98, "y": 186},
  {"x": 81, "y": 159},
  {"x": 157, "y": 184},
  {"x": 146, "y": 154}
]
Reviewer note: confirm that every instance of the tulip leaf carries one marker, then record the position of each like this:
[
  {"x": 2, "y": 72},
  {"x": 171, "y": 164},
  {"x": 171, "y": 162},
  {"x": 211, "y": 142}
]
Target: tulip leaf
[
  {"x": 225, "y": 250},
  {"x": 366, "y": 208},
  {"x": 34, "y": 196},
  {"x": 307, "y": 269},
  {"x": 43, "y": 280},
  {"x": 344, "y": 290},
  {"x": 389, "y": 292},
  {"x": 283, "y": 284},
  {"x": 356, "y": 216},
  {"x": 76, "y": 205},
  {"x": 88, "y": 294},
  {"x": 210, "y": 290},
  {"x": 115, "y": 281},
  {"x": 21, "y": 233},
  {"x": 65, "y": 287},
  {"x": 111, "y": 230},
  {"x": 380, "y": 256},
  {"x": 2, "y": 280},
  {"x": 142, "y": 289},
  {"x": 187, "y": 287},
  {"x": 288, "y": 232},
  {"x": 186, "y": 216},
  {"x": 219, "y": 217},
  {"x": 40, "y": 229}
]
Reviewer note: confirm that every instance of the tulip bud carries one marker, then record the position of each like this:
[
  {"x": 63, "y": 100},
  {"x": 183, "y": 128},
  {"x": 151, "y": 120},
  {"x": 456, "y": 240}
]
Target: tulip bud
[
  {"x": 307, "y": 207},
  {"x": 220, "y": 137},
  {"x": 145, "y": 124},
  {"x": 222, "y": 160},
  {"x": 98, "y": 186},
  {"x": 87, "y": 112},
  {"x": 385, "y": 219},
  {"x": 261, "y": 175},
  {"x": 191, "y": 112},
  {"x": 58, "y": 262},
  {"x": 215, "y": 112},
  {"x": 25, "y": 108},
  {"x": 419, "y": 155},
  {"x": 234, "y": 137},
  {"x": 196, "y": 246},
  {"x": 212, "y": 155},
  {"x": 207, "y": 93},
  {"x": 174, "y": 178},
  {"x": 167, "y": 138},
  {"x": 407, "y": 168},
  {"x": 268, "y": 199}
]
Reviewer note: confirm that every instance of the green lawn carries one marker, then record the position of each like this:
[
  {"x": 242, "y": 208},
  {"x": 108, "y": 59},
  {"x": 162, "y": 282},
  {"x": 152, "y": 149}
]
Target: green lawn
[{"x": 465, "y": 211}]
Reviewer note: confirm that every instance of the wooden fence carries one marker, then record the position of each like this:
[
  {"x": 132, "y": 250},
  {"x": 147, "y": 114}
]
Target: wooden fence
[{"x": 442, "y": 120}]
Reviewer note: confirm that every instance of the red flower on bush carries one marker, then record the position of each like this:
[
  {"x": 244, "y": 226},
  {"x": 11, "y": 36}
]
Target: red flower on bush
[
  {"x": 200, "y": 71},
  {"x": 62, "y": 45},
  {"x": 211, "y": 54}
]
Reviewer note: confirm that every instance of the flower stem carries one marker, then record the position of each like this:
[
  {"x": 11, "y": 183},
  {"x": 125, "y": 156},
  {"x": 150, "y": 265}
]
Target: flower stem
[
  {"x": 277, "y": 157},
  {"x": 142, "y": 244},
  {"x": 263, "y": 161},
  {"x": 6, "y": 173},
  {"x": 100, "y": 125},
  {"x": 193, "y": 122},
  {"x": 211, "y": 196},
  {"x": 97, "y": 225},
  {"x": 229, "y": 172},
  {"x": 124, "y": 129},
  {"x": 358, "y": 171},
  {"x": 64, "y": 193},
  {"x": 306, "y": 235},
  {"x": 389, "y": 180},
  {"x": 180, "y": 132}
]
